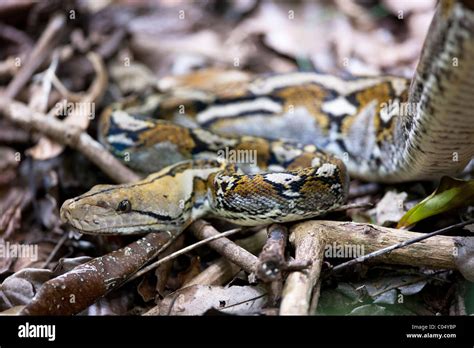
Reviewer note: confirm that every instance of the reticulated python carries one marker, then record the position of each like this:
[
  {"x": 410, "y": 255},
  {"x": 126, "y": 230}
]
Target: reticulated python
[{"x": 385, "y": 129}]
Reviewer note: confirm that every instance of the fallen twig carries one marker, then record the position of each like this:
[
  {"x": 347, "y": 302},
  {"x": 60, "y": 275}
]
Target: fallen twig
[
  {"x": 222, "y": 270},
  {"x": 53, "y": 253},
  {"x": 13, "y": 34},
  {"x": 183, "y": 251},
  {"x": 272, "y": 261},
  {"x": 225, "y": 247},
  {"x": 79, "y": 116},
  {"x": 312, "y": 238},
  {"x": 363, "y": 205},
  {"x": 40, "y": 52},
  {"x": 69, "y": 135},
  {"x": 112, "y": 44},
  {"x": 96, "y": 89}
]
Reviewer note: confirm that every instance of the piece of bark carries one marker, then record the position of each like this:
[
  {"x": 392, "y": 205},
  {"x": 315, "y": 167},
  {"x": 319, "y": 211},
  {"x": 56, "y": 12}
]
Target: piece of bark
[{"x": 271, "y": 261}]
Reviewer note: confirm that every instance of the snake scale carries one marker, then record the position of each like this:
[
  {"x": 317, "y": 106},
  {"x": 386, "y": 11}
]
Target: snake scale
[{"x": 302, "y": 134}]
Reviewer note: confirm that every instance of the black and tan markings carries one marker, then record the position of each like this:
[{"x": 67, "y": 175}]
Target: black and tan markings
[{"x": 358, "y": 119}]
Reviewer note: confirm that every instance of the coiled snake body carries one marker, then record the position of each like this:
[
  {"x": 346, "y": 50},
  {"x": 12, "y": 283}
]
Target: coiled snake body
[{"x": 304, "y": 129}]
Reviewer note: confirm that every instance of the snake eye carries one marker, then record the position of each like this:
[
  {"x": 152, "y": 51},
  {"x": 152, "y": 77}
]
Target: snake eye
[{"x": 124, "y": 206}]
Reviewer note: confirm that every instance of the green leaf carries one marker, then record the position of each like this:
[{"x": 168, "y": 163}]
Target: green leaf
[{"x": 450, "y": 194}]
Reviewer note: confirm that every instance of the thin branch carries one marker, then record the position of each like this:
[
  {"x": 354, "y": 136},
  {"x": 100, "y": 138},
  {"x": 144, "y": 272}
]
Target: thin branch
[
  {"x": 97, "y": 88},
  {"x": 112, "y": 44},
  {"x": 53, "y": 253},
  {"x": 68, "y": 135},
  {"x": 183, "y": 251},
  {"x": 363, "y": 190},
  {"x": 222, "y": 270},
  {"x": 354, "y": 206},
  {"x": 17, "y": 36},
  {"x": 225, "y": 247},
  {"x": 40, "y": 52}
]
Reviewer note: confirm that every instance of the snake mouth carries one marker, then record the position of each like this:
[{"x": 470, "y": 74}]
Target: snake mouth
[
  {"x": 88, "y": 218},
  {"x": 80, "y": 217}
]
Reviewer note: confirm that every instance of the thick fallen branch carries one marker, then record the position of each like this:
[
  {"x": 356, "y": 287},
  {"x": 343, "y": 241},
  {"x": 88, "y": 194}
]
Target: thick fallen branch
[
  {"x": 399, "y": 245},
  {"x": 439, "y": 252},
  {"x": 312, "y": 238},
  {"x": 69, "y": 135}
]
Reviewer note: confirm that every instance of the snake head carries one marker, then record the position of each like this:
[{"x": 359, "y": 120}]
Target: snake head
[
  {"x": 165, "y": 201},
  {"x": 122, "y": 209}
]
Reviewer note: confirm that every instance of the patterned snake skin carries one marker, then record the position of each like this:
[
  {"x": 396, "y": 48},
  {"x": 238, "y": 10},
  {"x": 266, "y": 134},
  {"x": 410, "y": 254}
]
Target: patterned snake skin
[{"x": 281, "y": 147}]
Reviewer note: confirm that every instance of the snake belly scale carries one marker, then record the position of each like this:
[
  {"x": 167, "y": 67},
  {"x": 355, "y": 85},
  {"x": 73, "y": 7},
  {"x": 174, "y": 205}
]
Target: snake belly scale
[{"x": 308, "y": 132}]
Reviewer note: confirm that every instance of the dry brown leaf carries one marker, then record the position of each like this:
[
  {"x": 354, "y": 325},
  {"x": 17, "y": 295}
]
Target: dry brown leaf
[
  {"x": 8, "y": 165},
  {"x": 21, "y": 287},
  {"x": 136, "y": 77},
  {"x": 197, "y": 299},
  {"x": 45, "y": 149},
  {"x": 408, "y": 6},
  {"x": 11, "y": 206},
  {"x": 291, "y": 29},
  {"x": 146, "y": 288},
  {"x": 390, "y": 208},
  {"x": 192, "y": 271},
  {"x": 35, "y": 259},
  {"x": 164, "y": 271}
]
